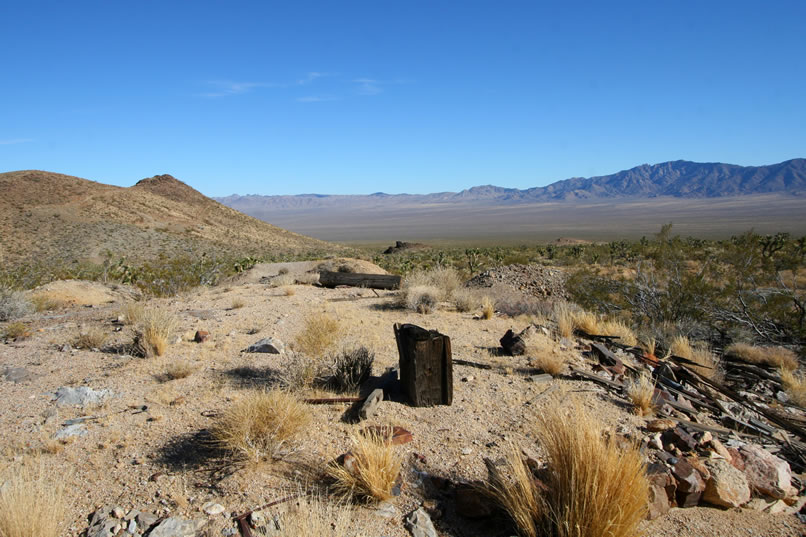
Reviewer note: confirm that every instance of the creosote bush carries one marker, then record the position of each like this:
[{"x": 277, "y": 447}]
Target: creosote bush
[
  {"x": 351, "y": 368},
  {"x": 259, "y": 424},
  {"x": 318, "y": 335},
  {"x": 780, "y": 357},
  {"x": 594, "y": 488},
  {"x": 370, "y": 471},
  {"x": 32, "y": 503}
]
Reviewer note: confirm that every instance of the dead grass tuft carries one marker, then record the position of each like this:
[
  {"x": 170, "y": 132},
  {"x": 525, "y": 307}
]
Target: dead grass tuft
[
  {"x": 465, "y": 300},
  {"x": 587, "y": 322},
  {"x": 487, "y": 308},
  {"x": 237, "y": 304},
  {"x": 154, "y": 330},
  {"x": 795, "y": 386},
  {"x": 290, "y": 291},
  {"x": 132, "y": 313},
  {"x": 44, "y": 301},
  {"x": 640, "y": 392},
  {"x": 422, "y": 298},
  {"x": 318, "y": 335},
  {"x": 445, "y": 279},
  {"x": 92, "y": 338},
  {"x": 625, "y": 334},
  {"x": 594, "y": 487},
  {"x": 282, "y": 280},
  {"x": 707, "y": 362},
  {"x": 371, "y": 472},
  {"x": 779, "y": 357},
  {"x": 315, "y": 516},
  {"x": 32, "y": 504},
  {"x": 564, "y": 318},
  {"x": 16, "y": 330},
  {"x": 257, "y": 426},
  {"x": 547, "y": 353},
  {"x": 179, "y": 369}
]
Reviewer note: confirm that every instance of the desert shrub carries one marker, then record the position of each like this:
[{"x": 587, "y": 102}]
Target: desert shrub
[
  {"x": 371, "y": 471},
  {"x": 487, "y": 308},
  {"x": 465, "y": 299},
  {"x": 318, "y": 335},
  {"x": 13, "y": 304},
  {"x": 153, "y": 332},
  {"x": 282, "y": 280},
  {"x": 421, "y": 298},
  {"x": 445, "y": 279},
  {"x": 640, "y": 392},
  {"x": 283, "y": 270},
  {"x": 307, "y": 278},
  {"x": 179, "y": 369},
  {"x": 779, "y": 357},
  {"x": 32, "y": 503},
  {"x": 593, "y": 487},
  {"x": 795, "y": 386},
  {"x": 351, "y": 368},
  {"x": 92, "y": 338},
  {"x": 301, "y": 372},
  {"x": 44, "y": 301},
  {"x": 132, "y": 313},
  {"x": 16, "y": 330},
  {"x": 258, "y": 425}
]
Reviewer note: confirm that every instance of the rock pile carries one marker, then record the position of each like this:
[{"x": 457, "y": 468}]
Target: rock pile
[{"x": 533, "y": 280}]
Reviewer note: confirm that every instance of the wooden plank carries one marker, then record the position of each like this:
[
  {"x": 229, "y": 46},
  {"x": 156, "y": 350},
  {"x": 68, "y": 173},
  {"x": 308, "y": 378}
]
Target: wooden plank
[{"x": 356, "y": 279}]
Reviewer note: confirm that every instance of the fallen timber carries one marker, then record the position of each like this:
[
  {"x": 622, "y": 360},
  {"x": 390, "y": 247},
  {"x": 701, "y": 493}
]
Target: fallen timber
[{"x": 356, "y": 279}]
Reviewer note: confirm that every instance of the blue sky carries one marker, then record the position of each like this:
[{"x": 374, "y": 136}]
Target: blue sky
[{"x": 409, "y": 96}]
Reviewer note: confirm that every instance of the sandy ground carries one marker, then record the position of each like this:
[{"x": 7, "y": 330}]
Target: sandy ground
[{"x": 145, "y": 451}]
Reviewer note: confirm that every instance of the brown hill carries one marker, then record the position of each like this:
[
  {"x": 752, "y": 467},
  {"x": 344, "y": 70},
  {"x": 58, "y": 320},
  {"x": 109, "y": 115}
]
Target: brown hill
[{"x": 49, "y": 217}]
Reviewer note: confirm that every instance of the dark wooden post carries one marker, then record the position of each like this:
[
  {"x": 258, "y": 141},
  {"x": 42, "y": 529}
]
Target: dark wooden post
[{"x": 426, "y": 368}]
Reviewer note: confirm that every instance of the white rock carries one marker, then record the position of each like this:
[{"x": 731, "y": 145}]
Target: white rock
[{"x": 212, "y": 508}]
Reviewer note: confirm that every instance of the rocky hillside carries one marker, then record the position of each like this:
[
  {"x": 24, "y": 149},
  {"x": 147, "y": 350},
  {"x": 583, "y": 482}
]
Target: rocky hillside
[{"x": 47, "y": 217}]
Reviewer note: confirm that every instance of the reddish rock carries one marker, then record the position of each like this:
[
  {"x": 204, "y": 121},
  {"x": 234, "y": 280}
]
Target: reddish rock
[
  {"x": 766, "y": 473},
  {"x": 661, "y": 490},
  {"x": 736, "y": 459},
  {"x": 201, "y": 336},
  {"x": 690, "y": 484},
  {"x": 715, "y": 446},
  {"x": 726, "y": 486},
  {"x": 660, "y": 425},
  {"x": 679, "y": 439},
  {"x": 700, "y": 466},
  {"x": 396, "y": 435}
]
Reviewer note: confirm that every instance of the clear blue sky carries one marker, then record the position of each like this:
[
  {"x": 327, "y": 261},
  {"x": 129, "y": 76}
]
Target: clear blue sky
[{"x": 396, "y": 96}]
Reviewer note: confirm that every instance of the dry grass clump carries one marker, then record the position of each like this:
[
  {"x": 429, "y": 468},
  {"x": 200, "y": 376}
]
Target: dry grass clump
[
  {"x": 237, "y": 304},
  {"x": 282, "y": 280},
  {"x": 307, "y": 278},
  {"x": 290, "y": 291},
  {"x": 92, "y": 338},
  {"x": 445, "y": 279},
  {"x": 179, "y": 369},
  {"x": 422, "y": 298},
  {"x": 707, "y": 363},
  {"x": 370, "y": 471},
  {"x": 314, "y": 516},
  {"x": 318, "y": 335},
  {"x": 795, "y": 386},
  {"x": 587, "y": 322},
  {"x": 351, "y": 369},
  {"x": 155, "y": 327},
  {"x": 133, "y": 312},
  {"x": 779, "y": 357},
  {"x": 465, "y": 300},
  {"x": 32, "y": 504},
  {"x": 13, "y": 304},
  {"x": 44, "y": 301},
  {"x": 641, "y": 392},
  {"x": 487, "y": 308},
  {"x": 593, "y": 487},
  {"x": 547, "y": 354},
  {"x": 301, "y": 372},
  {"x": 625, "y": 334},
  {"x": 257, "y": 426},
  {"x": 16, "y": 330},
  {"x": 564, "y": 319}
]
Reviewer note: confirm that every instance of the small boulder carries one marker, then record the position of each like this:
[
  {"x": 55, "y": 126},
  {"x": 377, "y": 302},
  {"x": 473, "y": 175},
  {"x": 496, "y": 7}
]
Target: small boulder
[
  {"x": 201, "y": 336},
  {"x": 690, "y": 484},
  {"x": 81, "y": 396},
  {"x": 268, "y": 345},
  {"x": 661, "y": 490},
  {"x": 660, "y": 425},
  {"x": 420, "y": 525},
  {"x": 765, "y": 472},
  {"x": 177, "y": 527},
  {"x": 726, "y": 486}
]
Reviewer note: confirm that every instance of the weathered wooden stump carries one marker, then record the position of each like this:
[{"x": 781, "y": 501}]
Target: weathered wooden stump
[
  {"x": 513, "y": 344},
  {"x": 426, "y": 368}
]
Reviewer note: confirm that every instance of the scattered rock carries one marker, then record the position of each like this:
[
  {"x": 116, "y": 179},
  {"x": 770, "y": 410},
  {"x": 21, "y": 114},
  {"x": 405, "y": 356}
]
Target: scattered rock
[
  {"x": 386, "y": 510},
  {"x": 661, "y": 490},
  {"x": 690, "y": 484},
  {"x": 81, "y": 396},
  {"x": 765, "y": 472},
  {"x": 268, "y": 345},
  {"x": 257, "y": 519},
  {"x": 660, "y": 425},
  {"x": 370, "y": 405},
  {"x": 419, "y": 524},
  {"x": 146, "y": 520},
  {"x": 726, "y": 486},
  {"x": 539, "y": 379},
  {"x": 76, "y": 429},
  {"x": 177, "y": 527},
  {"x": 212, "y": 508},
  {"x": 679, "y": 439},
  {"x": 397, "y": 435},
  {"x": 17, "y": 374},
  {"x": 535, "y": 280},
  {"x": 201, "y": 336},
  {"x": 513, "y": 344}
]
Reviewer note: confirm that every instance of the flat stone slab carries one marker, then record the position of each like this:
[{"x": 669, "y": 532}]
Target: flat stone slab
[
  {"x": 17, "y": 374},
  {"x": 177, "y": 527},
  {"x": 81, "y": 396},
  {"x": 268, "y": 345},
  {"x": 76, "y": 429}
]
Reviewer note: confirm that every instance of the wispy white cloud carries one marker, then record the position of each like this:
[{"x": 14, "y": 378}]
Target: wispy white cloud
[
  {"x": 311, "y": 77},
  {"x": 228, "y": 88},
  {"x": 368, "y": 86},
  {"x": 13, "y": 141},
  {"x": 317, "y": 98}
]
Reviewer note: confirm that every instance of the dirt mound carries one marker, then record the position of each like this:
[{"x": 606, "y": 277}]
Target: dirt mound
[
  {"x": 82, "y": 293},
  {"x": 349, "y": 265},
  {"x": 533, "y": 280}
]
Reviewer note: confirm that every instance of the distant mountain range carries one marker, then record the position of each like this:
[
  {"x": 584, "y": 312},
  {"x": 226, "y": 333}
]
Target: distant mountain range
[{"x": 678, "y": 179}]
